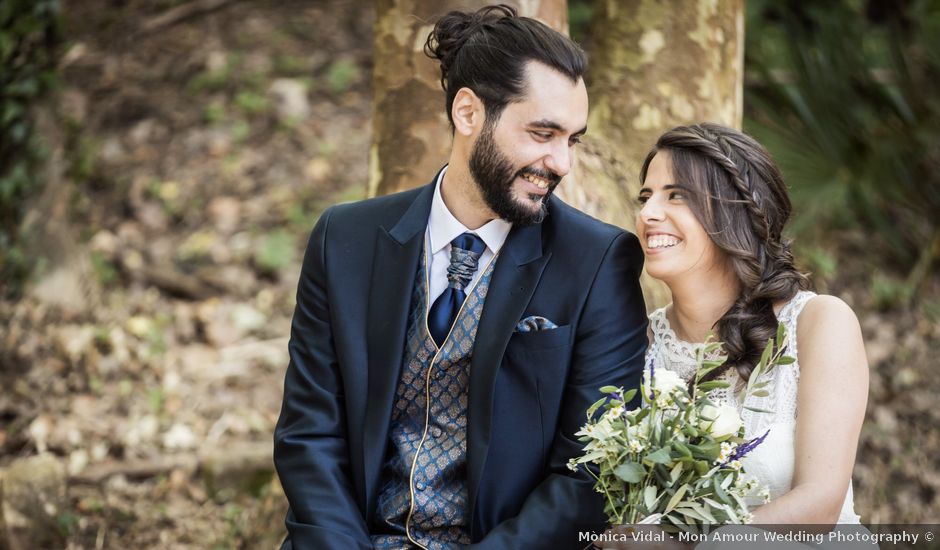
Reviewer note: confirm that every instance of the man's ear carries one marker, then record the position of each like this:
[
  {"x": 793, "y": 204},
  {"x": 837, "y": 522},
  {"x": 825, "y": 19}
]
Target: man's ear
[{"x": 467, "y": 112}]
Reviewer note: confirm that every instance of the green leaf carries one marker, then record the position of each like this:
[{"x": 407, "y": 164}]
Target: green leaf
[
  {"x": 719, "y": 491},
  {"x": 680, "y": 446},
  {"x": 629, "y": 395},
  {"x": 609, "y": 389},
  {"x": 676, "y": 497},
  {"x": 630, "y": 472},
  {"x": 660, "y": 456},
  {"x": 593, "y": 408},
  {"x": 705, "y": 512},
  {"x": 650, "y": 497},
  {"x": 690, "y": 513},
  {"x": 713, "y": 385},
  {"x": 675, "y": 473}
]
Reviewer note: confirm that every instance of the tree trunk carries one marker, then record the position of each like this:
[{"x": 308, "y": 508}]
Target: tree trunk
[
  {"x": 654, "y": 65},
  {"x": 411, "y": 138}
]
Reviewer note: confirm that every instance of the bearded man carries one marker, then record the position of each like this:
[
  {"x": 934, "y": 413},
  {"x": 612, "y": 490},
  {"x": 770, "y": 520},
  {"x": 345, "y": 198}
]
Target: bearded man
[{"x": 448, "y": 340}]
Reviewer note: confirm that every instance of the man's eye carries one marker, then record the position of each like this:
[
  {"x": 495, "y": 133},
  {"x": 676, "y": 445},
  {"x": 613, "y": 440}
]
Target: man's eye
[
  {"x": 574, "y": 141},
  {"x": 542, "y": 135}
]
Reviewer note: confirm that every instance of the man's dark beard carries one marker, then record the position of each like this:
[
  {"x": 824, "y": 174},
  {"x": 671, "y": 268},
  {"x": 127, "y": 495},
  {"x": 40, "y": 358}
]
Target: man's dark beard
[{"x": 494, "y": 174}]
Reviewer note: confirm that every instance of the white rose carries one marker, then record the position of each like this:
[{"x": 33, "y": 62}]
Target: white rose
[
  {"x": 721, "y": 421},
  {"x": 665, "y": 381}
]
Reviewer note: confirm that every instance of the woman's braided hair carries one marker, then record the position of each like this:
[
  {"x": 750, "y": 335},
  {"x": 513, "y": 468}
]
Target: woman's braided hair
[{"x": 740, "y": 199}]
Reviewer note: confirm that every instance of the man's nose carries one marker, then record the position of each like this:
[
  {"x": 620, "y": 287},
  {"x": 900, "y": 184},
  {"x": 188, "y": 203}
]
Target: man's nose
[{"x": 559, "y": 160}]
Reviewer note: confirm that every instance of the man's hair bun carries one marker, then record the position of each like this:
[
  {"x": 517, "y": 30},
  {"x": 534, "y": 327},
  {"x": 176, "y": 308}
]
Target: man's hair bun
[{"x": 453, "y": 30}]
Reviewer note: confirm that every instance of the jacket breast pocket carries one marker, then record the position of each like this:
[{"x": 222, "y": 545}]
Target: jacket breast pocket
[{"x": 540, "y": 339}]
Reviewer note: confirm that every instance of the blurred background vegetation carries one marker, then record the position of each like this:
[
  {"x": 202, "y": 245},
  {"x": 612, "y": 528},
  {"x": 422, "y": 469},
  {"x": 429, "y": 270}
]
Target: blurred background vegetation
[{"x": 185, "y": 153}]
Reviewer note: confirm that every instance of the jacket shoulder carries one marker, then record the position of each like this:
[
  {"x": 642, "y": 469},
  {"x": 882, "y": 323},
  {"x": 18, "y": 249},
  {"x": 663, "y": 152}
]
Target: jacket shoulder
[{"x": 568, "y": 224}]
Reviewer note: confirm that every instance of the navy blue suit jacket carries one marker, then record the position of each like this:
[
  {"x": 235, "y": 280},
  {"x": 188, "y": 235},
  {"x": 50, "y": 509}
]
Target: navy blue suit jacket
[{"x": 528, "y": 391}]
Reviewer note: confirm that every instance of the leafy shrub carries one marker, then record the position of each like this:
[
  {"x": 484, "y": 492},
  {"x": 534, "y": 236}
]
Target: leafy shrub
[
  {"x": 843, "y": 94},
  {"x": 30, "y": 33}
]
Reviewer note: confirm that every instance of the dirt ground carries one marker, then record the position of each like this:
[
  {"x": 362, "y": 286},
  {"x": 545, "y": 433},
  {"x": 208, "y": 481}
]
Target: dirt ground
[{"x": 198, "y": 156}]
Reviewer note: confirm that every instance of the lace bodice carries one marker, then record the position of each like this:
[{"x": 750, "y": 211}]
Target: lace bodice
[{"x": 772, "y": 461}]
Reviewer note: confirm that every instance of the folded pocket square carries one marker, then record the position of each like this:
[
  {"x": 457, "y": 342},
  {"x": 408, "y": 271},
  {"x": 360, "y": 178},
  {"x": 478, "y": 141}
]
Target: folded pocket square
[{"x": 535, "y": 323}]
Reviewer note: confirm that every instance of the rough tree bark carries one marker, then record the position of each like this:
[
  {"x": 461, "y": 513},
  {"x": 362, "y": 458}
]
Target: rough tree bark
[
  {"x": 654, "y": 64},
  {"x": 410, "y": 134}
]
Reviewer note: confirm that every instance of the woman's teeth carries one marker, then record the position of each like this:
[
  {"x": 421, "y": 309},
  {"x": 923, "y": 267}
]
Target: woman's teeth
[
  {"x": 662, "y": 241},
  {"x": 539, "y": 182}
]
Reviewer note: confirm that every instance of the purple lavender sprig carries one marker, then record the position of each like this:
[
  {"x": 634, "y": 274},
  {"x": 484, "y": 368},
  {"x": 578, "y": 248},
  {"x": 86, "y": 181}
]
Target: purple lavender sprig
[
  {"x": 747, "y": 447},
  {"x": 652, "y": 373}
]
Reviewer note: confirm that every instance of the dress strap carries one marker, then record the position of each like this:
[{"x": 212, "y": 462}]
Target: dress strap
[{"x": 790, "y": 313}]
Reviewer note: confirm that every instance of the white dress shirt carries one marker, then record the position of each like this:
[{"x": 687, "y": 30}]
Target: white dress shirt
[{"x": 442, "y": 228}]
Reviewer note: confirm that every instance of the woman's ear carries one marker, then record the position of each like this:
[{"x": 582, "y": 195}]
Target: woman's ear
[{"x": 467, "y": 112}]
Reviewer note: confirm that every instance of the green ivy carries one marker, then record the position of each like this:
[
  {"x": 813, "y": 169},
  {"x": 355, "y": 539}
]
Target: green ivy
[{"x": 30, "y": 35}]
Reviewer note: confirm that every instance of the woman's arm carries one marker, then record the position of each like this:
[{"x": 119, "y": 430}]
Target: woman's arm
[{"x": 830, "y": 408}]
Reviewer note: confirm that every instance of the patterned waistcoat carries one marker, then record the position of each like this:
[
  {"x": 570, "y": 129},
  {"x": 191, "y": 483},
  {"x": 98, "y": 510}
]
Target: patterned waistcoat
[{"x": 423, "y": 499}]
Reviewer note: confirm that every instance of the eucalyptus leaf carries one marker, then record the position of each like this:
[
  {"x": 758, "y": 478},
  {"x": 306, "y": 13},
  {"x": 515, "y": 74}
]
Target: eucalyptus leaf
[
  {"x": 650, "y": 497},
  {"x": 630, "y": 472},
  {"x": 660, "y": 456}
]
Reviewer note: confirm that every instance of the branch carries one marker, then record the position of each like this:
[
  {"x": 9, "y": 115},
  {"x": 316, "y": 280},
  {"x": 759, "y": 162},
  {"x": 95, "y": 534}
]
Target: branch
[
  {"x": 179, "y": 13},
  {"x": 231, "y": 459}
]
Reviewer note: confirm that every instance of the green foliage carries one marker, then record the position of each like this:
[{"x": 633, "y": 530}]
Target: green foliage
[
  {"x": 579, "y": 20},
  {"x": 341, "y": 75},
  {"x": 250, "y": 102},
  {"x": 890, "y": 293},
  {"x": 29, "y": 39},
  {"x": 276, "y": 251},
  {"x": 842, "y": 94}
]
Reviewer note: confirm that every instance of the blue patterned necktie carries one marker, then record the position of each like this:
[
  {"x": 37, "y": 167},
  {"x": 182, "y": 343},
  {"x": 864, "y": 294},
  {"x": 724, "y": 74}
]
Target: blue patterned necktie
[{"x": 465, "y": 254}]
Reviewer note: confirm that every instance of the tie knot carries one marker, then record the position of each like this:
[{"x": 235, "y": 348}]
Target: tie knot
[
  {"x": 465, "y": 253},
  {"x": 469, "y": 242}
]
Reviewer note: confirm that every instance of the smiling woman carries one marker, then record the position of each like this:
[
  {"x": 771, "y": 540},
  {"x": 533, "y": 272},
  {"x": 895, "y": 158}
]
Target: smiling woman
[{"x": 713, "y": 211}]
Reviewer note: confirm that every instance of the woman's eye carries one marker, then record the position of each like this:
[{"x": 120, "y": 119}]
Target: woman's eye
[
  {"x": 642, "y": 199},
  {"x": 676, "y": 195}
]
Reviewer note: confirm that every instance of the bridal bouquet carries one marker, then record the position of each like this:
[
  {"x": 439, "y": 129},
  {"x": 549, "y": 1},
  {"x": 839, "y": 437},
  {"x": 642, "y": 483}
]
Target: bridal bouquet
[{"x": 675, "y": 460}]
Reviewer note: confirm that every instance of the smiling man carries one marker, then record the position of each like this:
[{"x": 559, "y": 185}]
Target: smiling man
[{"x": 447, "y": 340}]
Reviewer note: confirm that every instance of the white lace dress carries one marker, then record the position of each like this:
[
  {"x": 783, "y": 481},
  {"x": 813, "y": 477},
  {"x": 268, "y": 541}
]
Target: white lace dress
[{"x": 772, "y": 461}]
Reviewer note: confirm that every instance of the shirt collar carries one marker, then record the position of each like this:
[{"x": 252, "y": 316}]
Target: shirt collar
[{"x": 443, "y": 227}]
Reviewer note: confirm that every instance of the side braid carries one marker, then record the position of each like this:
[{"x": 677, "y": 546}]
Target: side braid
[{"x": 740, "y": 199}]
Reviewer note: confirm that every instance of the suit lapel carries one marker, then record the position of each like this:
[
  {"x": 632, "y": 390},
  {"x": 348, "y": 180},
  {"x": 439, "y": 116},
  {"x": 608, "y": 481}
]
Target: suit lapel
[
  {"x": 515, "y": 277},
  {"x": 397, "y": 253}
]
